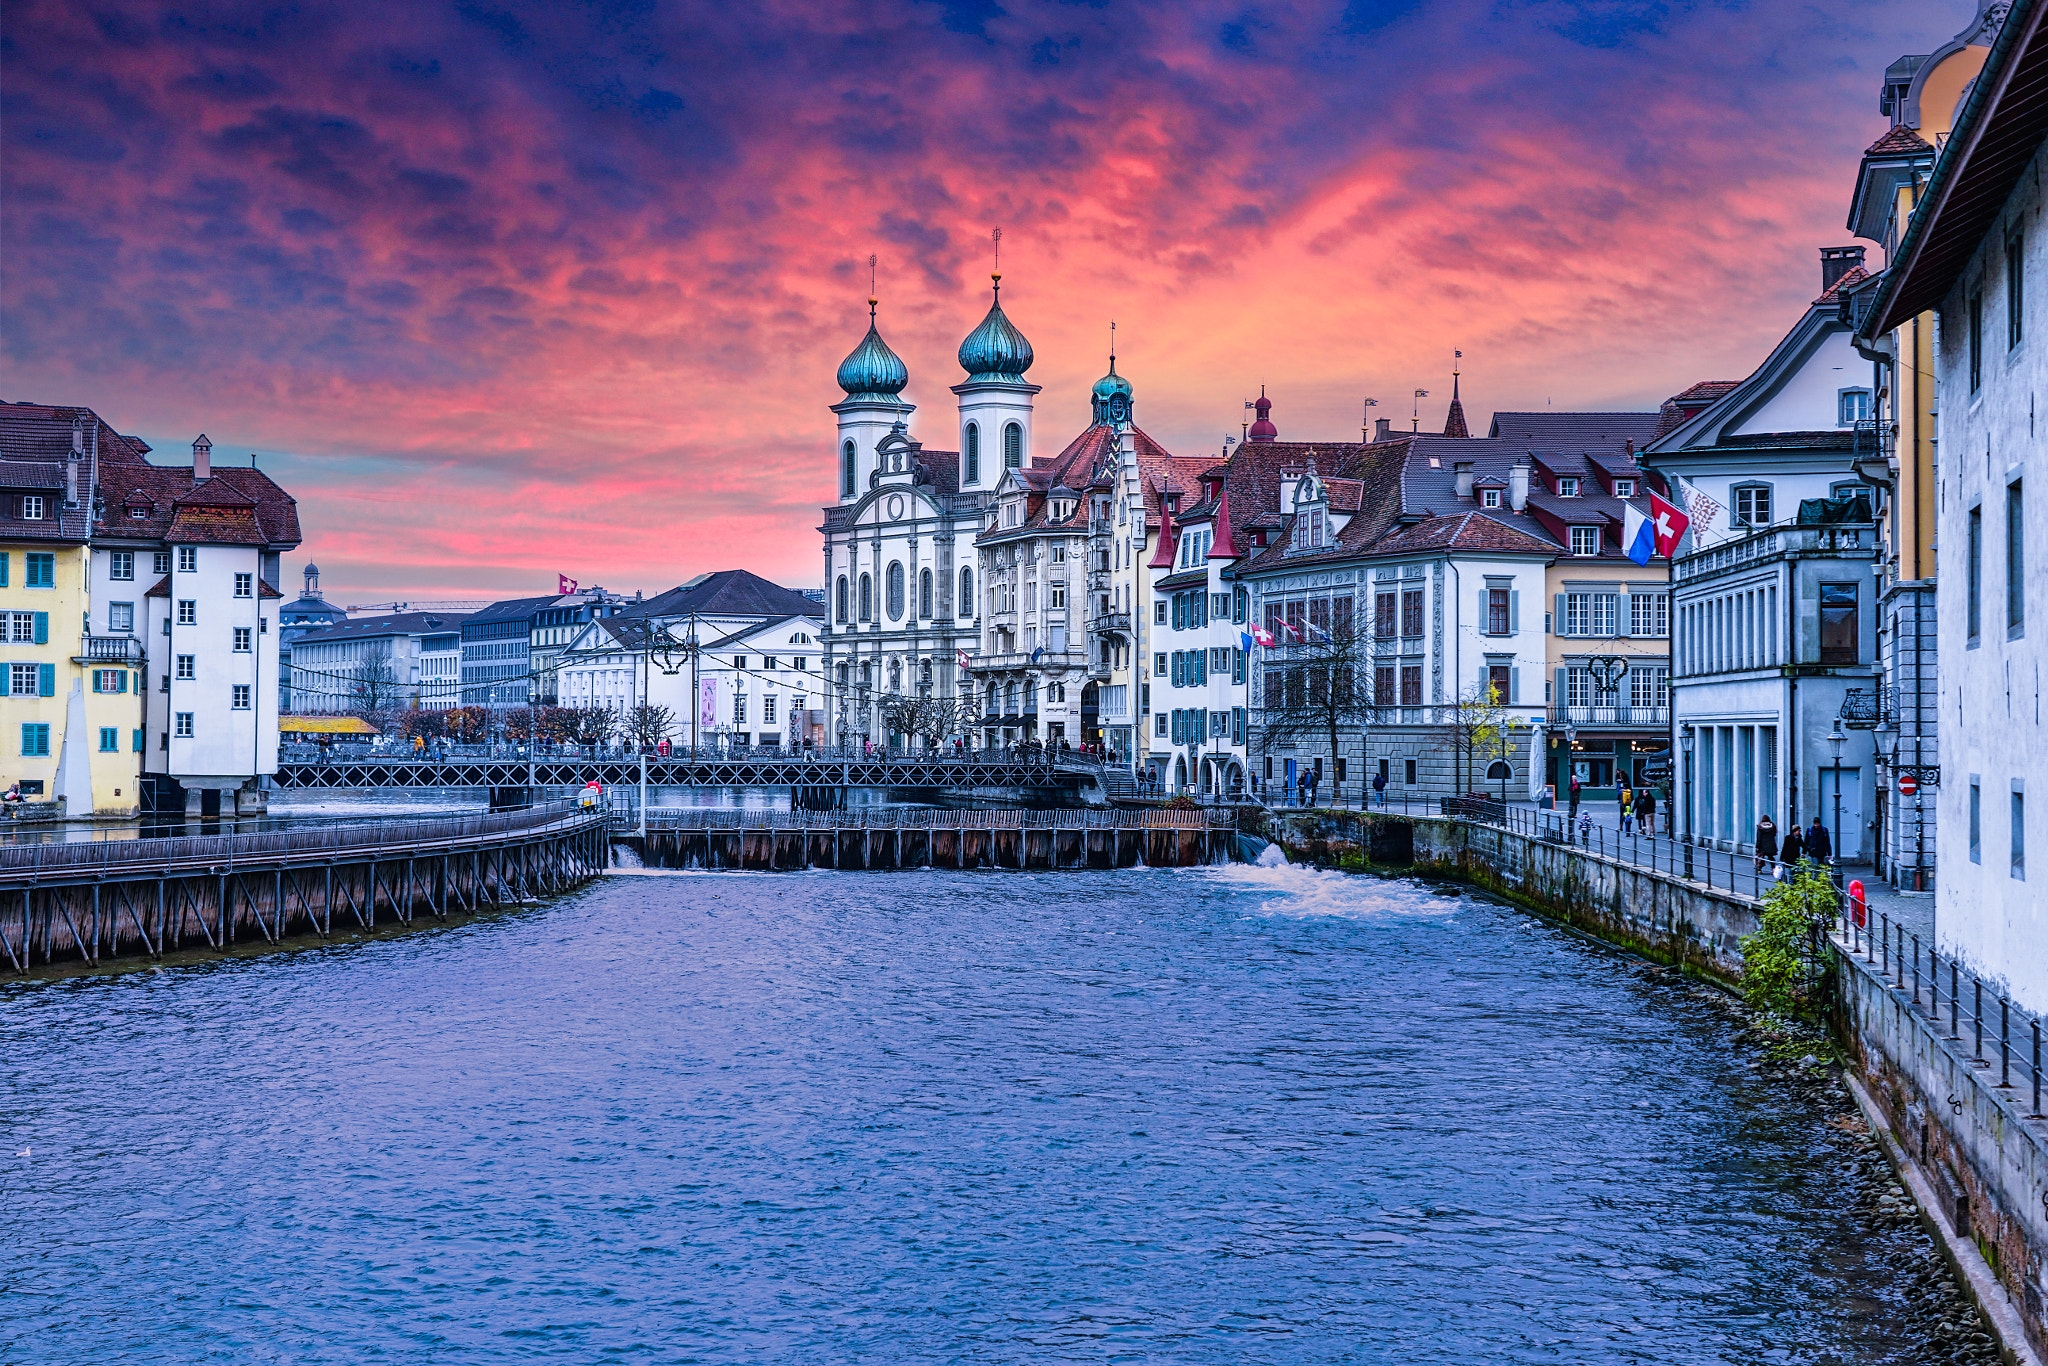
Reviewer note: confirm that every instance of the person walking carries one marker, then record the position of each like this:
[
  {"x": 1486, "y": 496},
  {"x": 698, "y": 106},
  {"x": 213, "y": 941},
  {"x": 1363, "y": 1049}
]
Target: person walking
[
  {"x": 1818, "y": 845},
  {"x": 1625, "y": 802},
  {"x": 1573, "y": 813},
  {"x": 1646, "y": 811},
  {"x": 1794, "y": 848},
  {"x": 1766, "y": 841},
  {"x": 1379, "y": 790}
]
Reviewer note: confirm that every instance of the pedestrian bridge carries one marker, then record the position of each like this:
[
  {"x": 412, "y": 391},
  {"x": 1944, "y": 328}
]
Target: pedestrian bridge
[{"x": 818, "y": 777}]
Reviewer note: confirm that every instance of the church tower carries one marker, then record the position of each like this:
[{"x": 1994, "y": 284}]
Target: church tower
[
  {"x": 873, "y": 377},
  {"x": 995, "y": 400}
]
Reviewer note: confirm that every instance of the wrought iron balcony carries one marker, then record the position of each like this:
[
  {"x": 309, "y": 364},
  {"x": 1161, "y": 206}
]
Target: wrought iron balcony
[
  {"x": 1609, "y": 714},
  {"x": 1110, "y": 624},
  {"x": 109, "y": 650}
]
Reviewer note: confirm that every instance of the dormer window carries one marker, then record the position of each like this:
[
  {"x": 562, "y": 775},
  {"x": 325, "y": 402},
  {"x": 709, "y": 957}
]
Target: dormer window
[
  {"x": 1567, "y": 486},
  {"x": 32, "y": 508},
  {"x": 138, "y": 512},
  {"x": 1585, "y": 540},
  {"x": 1489, "y": 498},
  {"x": 1624, "y": 488}
]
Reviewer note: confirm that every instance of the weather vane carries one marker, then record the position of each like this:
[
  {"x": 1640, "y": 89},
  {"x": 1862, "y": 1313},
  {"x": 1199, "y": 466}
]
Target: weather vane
[
  {"x": 871, "y": 272},
  {"x": 997, "y": 237}
]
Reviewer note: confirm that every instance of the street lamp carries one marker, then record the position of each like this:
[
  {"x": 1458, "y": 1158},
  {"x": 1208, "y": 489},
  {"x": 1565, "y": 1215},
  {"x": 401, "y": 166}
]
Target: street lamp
[
  {"x": 1685, "y": 744},
  {"x": 1885, "y": 750},
  {"x": 1836, "y": 739}
]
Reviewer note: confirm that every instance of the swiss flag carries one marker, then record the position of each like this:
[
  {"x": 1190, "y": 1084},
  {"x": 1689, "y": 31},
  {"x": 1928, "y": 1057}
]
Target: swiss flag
[
  {"x": 567, "y": 585},
  {"x": 1667, "y": 523}
]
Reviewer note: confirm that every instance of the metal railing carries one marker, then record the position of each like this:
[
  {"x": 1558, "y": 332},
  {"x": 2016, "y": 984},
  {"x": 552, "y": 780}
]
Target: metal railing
[
  {"x": 1900, "y": 961},
  {"x": 1610, "y": 714},
  {"x": 182, "y": 853},
  {"x": 899, "y": 818}
]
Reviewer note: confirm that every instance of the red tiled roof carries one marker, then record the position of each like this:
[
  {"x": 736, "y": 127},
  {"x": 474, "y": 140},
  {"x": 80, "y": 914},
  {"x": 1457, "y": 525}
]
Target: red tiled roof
[
  {"x": 1852, "y": 277},
  {"x": 1900, "y": 141}
]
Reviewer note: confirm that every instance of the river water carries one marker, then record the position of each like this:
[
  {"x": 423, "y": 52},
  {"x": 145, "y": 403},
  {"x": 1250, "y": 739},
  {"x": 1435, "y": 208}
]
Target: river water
[{"x": 1230, "y": 1115}]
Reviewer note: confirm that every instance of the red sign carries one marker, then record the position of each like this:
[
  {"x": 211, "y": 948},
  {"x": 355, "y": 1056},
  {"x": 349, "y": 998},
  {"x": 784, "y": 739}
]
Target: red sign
[{"x": 1908, "y": 784}]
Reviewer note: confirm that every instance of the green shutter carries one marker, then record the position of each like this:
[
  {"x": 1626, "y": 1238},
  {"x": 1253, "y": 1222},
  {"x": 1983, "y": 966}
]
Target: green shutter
[
  {"x": 6, "y": 676},
  {"x": 122, "y": 686},
  {"x": 138, "y": 739},
  {"x": 4, "y": 558},
  {"x": 46, "y": 676},
  {"x": 42, "y": 628}
]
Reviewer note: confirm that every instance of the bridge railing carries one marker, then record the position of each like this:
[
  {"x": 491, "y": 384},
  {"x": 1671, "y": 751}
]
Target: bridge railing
[
  {"x": 33, "y": 862},
  {"x": 694, "y": 818},
  {"x": 306, "y": 756}
]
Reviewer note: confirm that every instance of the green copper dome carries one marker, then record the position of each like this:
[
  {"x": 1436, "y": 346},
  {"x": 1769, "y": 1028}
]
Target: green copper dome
[
  {"x": 996, "y": 350},
  {"x": 1111, "y": 396},
  {"x": 873, "y": 370}
]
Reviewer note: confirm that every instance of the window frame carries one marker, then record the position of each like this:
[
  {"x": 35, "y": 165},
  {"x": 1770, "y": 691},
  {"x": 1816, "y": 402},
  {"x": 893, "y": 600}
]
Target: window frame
[
  {"x": 32, "y": 506},
  {"x": 1580, "y": 534},
  {"x": 188, "y": 559},
  {"x": 121, "y": 566},
  {"x": 2015, "y": 288},
  {"x": 2015, "y": 560},
  {"x": 1752, "y": 488}
]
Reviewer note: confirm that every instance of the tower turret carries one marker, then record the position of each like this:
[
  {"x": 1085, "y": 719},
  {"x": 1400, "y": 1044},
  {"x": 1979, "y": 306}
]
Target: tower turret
[
  {"x": 995, "y": 399},
  {"x": 873, "y": 377}
]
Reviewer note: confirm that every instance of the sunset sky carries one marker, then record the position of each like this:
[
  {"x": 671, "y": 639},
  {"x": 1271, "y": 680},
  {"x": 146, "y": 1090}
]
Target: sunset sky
[{"x": 503, "y": 289}]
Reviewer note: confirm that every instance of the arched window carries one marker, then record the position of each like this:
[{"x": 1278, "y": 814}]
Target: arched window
[
  {"x": 924, "y": 592},
  {"x": 895, "y": 675},
  {"x": 846, "y": 471},
  {"x": 967, "y": 592},
  {"x": 895, "y": 590},
  {"x": 1013, "y": 446},
  {"x": 867, "y": 598},
  {"x": 842, "y": 598},
  {"x": 993, "y": 705},
  {"x": 973, "y": 454}
]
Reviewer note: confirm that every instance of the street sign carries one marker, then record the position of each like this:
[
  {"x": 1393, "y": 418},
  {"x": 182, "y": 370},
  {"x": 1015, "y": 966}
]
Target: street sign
[{"x": 1908, "y": 784}]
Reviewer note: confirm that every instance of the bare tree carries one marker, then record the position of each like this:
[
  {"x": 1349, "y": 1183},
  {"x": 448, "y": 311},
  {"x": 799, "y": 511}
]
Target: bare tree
[
  {"x": 596, "y": 725},
  {"x": 647, "y": 726},
  {"x": 373, "y": 686},
  {"x": 933, "y": 719},
  {"x": 1317, "y": 691}
]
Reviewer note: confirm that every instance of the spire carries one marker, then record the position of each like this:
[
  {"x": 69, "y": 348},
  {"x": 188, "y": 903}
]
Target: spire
[
  {"x": 996, "y": 350},
  {"x": 1162, "y": 556},
  {"x": 871, "y": 370},
  {"x": 1454, "y": 421},
  {"x": 1263, "y": 429},
  {"x": 1112, "y": 394}
]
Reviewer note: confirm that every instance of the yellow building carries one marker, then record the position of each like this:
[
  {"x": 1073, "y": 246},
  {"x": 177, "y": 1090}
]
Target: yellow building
[
  {"x": 70, "y": 686},
  {"x": 1921, "y": 96}
]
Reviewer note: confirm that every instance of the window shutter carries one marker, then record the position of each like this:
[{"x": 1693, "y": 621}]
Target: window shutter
[
  {"x": 4, "y": 558},
  {"x": 1485, "y": 618},
  {"x": 1514, "y": 685},
  {"x": 1563, "y": 696},
  {"x": 46, "y": 676},
  {"x": 1485, "y": 681},
  {"x": 42, "y": 628},
  {"x": 122, "y": 686},
  {"x": 1562, "y": 623},
  {"x": 6, "y": 674},
  {"x": 1514, "y": 610}
]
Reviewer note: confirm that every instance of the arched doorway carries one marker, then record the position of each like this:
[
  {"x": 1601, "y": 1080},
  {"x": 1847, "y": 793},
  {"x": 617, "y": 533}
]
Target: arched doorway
[{"x": 1180, "y": 774}]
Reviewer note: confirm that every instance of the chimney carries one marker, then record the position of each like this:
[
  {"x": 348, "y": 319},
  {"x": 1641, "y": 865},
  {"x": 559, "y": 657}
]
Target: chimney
[
  {"x": 1381, "y": 429},
  {"x": 1518, "y": 485},
  {"x": 202, "y": 459},
  {"x": 1835, "y": 262},
  {"x": 1463, "y": 470}
]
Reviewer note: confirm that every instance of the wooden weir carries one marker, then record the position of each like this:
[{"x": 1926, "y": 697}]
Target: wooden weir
[
  {"x": 106, "y": 899},
  {"x": 896, "y": 839}
]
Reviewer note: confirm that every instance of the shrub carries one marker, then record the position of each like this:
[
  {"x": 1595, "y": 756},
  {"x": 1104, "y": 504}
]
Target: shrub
[{"x": 1784, "y": 963}]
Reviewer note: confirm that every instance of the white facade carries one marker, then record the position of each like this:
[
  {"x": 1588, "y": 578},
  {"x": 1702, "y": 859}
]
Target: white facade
[
  {"x": 1992, "y": 603},
  {"x": 211, "y": 718},
  {"x": 385, "y": 663},
  {"x": 752, "y": 683}
]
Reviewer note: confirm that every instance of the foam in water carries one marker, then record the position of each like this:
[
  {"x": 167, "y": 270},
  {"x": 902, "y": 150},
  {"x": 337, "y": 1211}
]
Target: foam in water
[
  {"x": 1272, "y": 856},
  {"x": 626, "y": 856},
  {"x": 1292, "y": 890}
]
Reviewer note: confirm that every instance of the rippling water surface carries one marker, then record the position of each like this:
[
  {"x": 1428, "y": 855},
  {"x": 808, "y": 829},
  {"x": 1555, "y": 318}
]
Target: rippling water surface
[{"x": 1222, "y": 1116}]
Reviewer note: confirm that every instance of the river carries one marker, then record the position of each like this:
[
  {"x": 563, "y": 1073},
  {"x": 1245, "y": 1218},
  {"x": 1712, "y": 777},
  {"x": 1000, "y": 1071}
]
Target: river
[{"x": 1230, "y": 1115}]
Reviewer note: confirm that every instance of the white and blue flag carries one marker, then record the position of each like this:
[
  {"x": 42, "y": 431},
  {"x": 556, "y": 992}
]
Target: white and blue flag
[{"x": 1638, "y": 535}]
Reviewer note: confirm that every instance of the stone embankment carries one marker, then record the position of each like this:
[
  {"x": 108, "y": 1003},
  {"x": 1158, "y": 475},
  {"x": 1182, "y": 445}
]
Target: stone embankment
[{"x": 1958, "y": 1125}]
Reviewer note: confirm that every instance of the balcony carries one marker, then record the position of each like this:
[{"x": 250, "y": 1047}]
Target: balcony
[
  {"x": 109, "y": 650},
  {"x": 1610, "y": 714},
  {"x": 1110, "y": 624}
]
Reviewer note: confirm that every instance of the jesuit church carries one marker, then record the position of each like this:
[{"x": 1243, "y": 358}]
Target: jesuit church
[{"x": 1003, "y": 584}]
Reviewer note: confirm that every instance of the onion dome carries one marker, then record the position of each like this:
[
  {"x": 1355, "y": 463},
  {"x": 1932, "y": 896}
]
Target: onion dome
[
  {"x": 996, "y": 350},
  {"x": 873, "y": 371},
  {"x": 1111, "y": 396},
  {"x": 1263, "y": 429}
]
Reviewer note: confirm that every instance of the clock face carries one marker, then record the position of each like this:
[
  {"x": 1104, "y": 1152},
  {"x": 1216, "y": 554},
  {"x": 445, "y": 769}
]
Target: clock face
[{"x": 1119, "y": 408}]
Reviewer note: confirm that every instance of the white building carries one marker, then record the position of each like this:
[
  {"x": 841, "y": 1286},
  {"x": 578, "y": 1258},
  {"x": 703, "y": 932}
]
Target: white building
[
  {"x": 899, "y": 543},
  {"x": 209, "y": 541},
  {"x": 383, "y": 663},
  {"x": 1773, "y": 602},
  {"x": 1970, "y": 251},
  {"x": 735, "y": 660}
]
